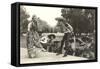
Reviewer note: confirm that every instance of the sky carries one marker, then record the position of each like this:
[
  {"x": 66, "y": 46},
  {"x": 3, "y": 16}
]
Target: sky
[{"x": 47, "y": 14}]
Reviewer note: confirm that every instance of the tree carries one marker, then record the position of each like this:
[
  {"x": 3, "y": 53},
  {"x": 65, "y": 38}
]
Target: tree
[
  {"x": 23, "y": 20},
  {"x": 82, "y": 20},
  {"x": 43, "y": 26}
]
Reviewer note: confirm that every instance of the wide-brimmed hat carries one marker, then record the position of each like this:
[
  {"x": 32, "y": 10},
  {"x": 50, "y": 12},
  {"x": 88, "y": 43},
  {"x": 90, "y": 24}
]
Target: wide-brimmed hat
[
  {"x": 34, "y": 16},
  {"x": 51, "y": 35},
  {"x": 60, "y": 19}
]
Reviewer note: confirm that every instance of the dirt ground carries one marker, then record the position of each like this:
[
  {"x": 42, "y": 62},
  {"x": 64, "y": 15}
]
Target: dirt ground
[{"x": 45, "y": 57}]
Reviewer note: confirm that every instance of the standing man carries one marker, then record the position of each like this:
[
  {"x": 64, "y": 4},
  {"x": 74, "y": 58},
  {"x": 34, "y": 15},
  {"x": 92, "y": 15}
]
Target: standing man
[
  {"x": 68, "y": 30},
  {"x": 33, "y": 44}
]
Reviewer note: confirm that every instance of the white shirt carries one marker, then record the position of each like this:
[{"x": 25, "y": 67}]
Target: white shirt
[
  {"x": 29, "y": 25},
  {"x": 69, "y": 28}
]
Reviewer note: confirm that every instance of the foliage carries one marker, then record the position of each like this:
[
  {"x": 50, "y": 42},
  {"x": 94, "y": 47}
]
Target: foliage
[
  {"x": 43, "y": 26},
  {"x": 82, "y": 20},
  {"x": 23, "y": 20}
]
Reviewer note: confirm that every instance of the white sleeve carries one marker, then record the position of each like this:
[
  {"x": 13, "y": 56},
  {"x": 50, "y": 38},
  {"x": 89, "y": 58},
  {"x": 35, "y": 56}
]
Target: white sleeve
[
  {"x": 70, "y": 27},
  {"x": 29, "y": 25}
]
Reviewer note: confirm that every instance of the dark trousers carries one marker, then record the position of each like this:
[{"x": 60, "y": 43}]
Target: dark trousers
[{"x": 64, "y": 40}]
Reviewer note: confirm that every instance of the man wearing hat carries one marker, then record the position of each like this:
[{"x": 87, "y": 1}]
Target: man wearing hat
[
  {"x": 33, "y": 44},
  {"x": 67, "y": 33},
  {"x": 51, "y": 42}
]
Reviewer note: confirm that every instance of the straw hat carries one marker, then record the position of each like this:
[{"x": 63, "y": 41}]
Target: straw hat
[
  {"x": 51, "y": 35},
  {"x": 60, "y": 19}
]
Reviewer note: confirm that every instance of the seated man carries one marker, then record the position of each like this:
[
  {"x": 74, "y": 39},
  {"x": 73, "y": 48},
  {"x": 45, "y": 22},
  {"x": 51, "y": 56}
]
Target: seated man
[
  {"x": 88, "y": 51},
  {"x": 51, "y": 42},
  {"x": 48, "y": 42}
]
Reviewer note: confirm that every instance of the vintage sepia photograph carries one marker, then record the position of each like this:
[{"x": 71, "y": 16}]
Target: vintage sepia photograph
[{"x": 57, "y": 34}]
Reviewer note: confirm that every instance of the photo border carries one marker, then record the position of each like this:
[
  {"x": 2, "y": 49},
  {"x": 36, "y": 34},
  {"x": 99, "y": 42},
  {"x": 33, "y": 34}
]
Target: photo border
[{"x": 59, "y": 6}]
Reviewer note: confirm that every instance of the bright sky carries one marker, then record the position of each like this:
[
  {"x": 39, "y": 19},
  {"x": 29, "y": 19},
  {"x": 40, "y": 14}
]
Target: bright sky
[{"x": 45, "y": 13}]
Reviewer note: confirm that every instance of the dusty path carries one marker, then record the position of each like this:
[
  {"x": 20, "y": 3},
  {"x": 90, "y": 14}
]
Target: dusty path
[{"x": 46, "y": 57}]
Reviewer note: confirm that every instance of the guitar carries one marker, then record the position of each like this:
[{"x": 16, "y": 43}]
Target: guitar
[{"x": 44, "y": 39}]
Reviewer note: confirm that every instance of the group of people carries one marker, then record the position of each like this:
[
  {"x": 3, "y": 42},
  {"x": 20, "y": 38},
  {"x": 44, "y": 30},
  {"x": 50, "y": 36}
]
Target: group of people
[{"x": 71, "y": 45}]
